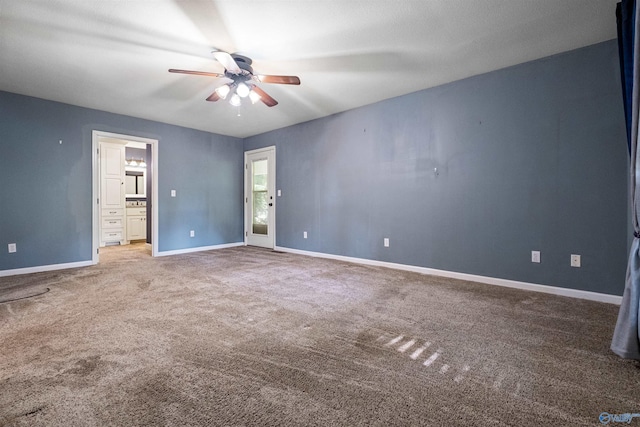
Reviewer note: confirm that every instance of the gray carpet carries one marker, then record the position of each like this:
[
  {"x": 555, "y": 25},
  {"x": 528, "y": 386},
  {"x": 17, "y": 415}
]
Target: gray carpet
[
  {"x": 246, "y": 336},
  {"x": 21, "y": 291}
]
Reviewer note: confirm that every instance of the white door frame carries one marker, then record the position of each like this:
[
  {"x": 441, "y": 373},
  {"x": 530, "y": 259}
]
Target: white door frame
[
  {"x": 272, "y": 213},
  {"x": 95, "y": 166}
]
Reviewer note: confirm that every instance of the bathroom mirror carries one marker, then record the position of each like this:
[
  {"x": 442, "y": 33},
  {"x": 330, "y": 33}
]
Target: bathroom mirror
[{"x": 135, "y": 182}]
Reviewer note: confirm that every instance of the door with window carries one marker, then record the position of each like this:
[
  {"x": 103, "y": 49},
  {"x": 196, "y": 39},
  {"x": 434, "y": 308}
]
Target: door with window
[{"x": 260, "y": 182}]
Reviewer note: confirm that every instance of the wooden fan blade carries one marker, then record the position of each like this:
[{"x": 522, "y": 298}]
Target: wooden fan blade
[
  {"x": 227, "y": 62},
  {"x": 264, "y": 97},
  {"x": 213, "y": 97},
  {"x": 284, "y": 80},
  {"x": 197, "y": 73}
]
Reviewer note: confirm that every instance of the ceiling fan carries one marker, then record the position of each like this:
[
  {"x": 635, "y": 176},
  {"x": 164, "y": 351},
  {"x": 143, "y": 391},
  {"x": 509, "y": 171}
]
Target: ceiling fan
[{"x": 240, "y": 82}]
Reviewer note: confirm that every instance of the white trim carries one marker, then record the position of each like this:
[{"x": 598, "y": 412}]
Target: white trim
[
  {"x": 259, "y": 150},
  {"x": 155, "y": 200},
  {"x": 139, "y": 145},
  {"x": 95, "y": 144},
  {"x": 41, "y": 268},
  {"x": 566, "y": 292},
  {"x": 200, "y": 249},
  {"x": 95, "y": 191}
]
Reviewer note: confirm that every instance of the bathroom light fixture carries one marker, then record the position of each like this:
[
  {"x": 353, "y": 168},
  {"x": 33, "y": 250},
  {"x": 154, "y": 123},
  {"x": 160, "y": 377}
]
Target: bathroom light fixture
[{"x": 136, "y": 163}]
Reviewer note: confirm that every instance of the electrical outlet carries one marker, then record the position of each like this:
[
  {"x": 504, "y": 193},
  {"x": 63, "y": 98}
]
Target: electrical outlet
[
  {"x": 12, "y": 248},
  {"x": 575, "y": 260},
  {"x": 535, "y": 256},
  {"x": 386, "y": 242},
  {"x": 192, "y": 233},
  {"x": 304, "y": 234}
]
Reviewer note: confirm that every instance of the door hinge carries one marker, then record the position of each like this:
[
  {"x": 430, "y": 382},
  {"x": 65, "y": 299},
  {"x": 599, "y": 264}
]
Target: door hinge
[
  {"x": 246, "y": 234},
  {"x": 97, "y": 250},
  {"x": 246, "y": 200},
  {"x": 98, "y": 201},
  {"x": 246, "y": 166}
]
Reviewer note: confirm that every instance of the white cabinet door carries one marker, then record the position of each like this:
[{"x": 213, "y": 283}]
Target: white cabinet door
[
  {"x": 136, "y": 228},
  {"x": 112, "y": 171}
]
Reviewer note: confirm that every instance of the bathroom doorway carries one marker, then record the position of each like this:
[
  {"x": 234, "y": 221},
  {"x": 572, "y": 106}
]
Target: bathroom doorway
[{"x": 125, "y": 191}]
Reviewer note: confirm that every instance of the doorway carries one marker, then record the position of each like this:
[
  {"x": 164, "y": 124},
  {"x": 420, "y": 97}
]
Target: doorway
[
  {"x": 259, "y": 197},
  {"x": 114, "y": 219}
]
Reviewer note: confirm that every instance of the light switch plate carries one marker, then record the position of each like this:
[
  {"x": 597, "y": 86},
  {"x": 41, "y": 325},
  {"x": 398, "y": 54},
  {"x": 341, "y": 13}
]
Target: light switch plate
[
  {"x": 173, "y": 193},
  {"x": 304, "y": 234},
  {"x": 535, "y": 256},
  {"x": 12, "y": 248},
  {"x": 386, "y": 242}
]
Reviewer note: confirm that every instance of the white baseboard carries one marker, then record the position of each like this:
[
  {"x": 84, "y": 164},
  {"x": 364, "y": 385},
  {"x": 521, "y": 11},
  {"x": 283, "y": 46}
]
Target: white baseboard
[
  {"x": 574, "y": 293},
  {"x": 199, "y": 249},
  {"x": 41, "y": 268}
]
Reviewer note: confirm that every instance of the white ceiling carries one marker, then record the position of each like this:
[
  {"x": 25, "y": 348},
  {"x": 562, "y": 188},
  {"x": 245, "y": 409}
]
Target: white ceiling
[{"x": 113, "y": 55}]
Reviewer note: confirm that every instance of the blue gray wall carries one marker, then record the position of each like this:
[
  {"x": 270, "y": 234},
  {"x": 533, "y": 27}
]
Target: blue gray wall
[
  {"x": 45, "y": 191},
  {"x": 532, "y": 157},
  {"x": 471, "y": 176}
]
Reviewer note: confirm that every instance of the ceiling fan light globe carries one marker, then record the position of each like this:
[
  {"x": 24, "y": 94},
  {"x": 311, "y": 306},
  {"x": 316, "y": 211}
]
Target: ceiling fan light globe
[
  {"x": 254, "y": 97},
  {"x": 242, "y": 90},
  {"x": 235, "y": 100},
  {"x": 223, "y": 91}
]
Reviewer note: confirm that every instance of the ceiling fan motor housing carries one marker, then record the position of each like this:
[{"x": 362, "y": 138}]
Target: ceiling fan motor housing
[{"x": 244, "y": 63}]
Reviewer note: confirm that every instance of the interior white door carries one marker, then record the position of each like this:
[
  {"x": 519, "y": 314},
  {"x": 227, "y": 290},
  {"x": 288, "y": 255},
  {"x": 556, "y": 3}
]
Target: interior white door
[{"x": 260, "y": 211}]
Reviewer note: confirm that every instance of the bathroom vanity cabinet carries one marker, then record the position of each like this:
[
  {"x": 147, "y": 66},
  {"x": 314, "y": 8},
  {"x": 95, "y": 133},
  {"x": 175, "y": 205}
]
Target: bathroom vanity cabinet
[{"x": 136, "y": 223}]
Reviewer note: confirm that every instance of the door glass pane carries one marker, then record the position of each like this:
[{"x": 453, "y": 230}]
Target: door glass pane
[{"x": 259, "y": 197}]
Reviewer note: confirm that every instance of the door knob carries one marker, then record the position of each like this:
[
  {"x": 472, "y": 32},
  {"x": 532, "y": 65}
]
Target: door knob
[{"x": 270, "y": 204}]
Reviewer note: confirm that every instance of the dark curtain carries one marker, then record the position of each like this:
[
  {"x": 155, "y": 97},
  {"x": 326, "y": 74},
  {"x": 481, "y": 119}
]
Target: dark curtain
[
  {"x": 626, "y": 337},
  {"x": 625, "y": 17}
]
